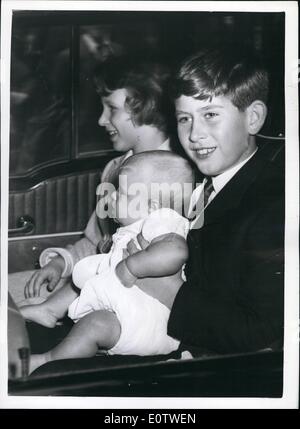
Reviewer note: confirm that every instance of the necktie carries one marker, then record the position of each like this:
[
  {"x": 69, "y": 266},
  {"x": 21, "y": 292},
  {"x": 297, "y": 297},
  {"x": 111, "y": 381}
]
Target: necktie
[
  {"x": 208, "y": 189},
  {"x": 203, "y": 199}
]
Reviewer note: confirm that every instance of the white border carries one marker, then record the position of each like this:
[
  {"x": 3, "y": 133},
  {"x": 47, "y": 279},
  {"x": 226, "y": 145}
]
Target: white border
[{"x": 291, "y": 355}]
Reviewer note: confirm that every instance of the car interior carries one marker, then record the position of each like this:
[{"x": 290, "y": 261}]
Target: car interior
[{"x": 57, "y": 152}]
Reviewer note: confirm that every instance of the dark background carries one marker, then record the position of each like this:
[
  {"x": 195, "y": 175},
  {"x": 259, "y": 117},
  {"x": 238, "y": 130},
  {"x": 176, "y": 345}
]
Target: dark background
[{"x": 54, "y": 107}]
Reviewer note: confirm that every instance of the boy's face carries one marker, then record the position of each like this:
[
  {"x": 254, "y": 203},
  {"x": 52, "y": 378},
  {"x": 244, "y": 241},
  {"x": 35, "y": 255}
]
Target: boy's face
[{"x": 214, "y": 133}]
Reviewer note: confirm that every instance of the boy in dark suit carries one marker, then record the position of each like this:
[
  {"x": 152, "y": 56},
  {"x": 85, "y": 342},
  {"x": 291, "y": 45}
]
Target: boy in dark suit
[{"x": 232, "y": 300}]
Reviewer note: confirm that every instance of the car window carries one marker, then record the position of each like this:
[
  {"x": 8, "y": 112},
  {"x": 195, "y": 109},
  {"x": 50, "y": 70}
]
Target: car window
[
  {"x": 40, "y": 115},
  {"x": 54, "y": 107},
  {"x": 96, "y": 45}
]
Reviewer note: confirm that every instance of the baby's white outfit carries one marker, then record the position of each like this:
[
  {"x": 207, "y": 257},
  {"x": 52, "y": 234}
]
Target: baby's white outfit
[{"x": 143, "y": 319}]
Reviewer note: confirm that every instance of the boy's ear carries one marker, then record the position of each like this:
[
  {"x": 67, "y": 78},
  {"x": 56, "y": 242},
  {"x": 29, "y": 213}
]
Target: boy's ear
[{"x": 256, "y": 115}]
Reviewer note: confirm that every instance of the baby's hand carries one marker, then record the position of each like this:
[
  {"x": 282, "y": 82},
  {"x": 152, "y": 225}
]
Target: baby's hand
[
  {"x": 124, "y": 275},
  {"x": 132, "y": 247}
]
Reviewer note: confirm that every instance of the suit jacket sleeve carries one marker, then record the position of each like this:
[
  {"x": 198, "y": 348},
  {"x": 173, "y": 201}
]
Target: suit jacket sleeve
[{"x": 250, "y": 317}]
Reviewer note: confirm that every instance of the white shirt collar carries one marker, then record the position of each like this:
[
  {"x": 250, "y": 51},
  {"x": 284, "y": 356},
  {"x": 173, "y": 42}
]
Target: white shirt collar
[
  {"x": 127, "y": 155},
  {"x": 218, "y": 183},
  {"x": 222, "y": 179},
  {"x": 166, "y": 145}
]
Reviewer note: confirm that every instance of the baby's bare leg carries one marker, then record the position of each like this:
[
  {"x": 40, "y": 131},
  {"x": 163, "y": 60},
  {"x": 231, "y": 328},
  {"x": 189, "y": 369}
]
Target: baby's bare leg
[
  {"x": 100, "y": 329},
  {"x": 54, "y": 308}
]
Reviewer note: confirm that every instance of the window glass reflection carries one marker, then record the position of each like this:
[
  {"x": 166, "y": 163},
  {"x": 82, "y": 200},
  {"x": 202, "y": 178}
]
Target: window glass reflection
[
  {"x": 50, "y": 87},
  {"x": 98, "y": 43},
  {"x": 40, "y": 97}
]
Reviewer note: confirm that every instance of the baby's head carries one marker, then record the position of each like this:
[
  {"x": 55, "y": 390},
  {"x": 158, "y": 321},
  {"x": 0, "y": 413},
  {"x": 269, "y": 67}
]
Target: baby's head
[
  {"x": 152, "y": 180},
  {"x": 220, "y": 97}
]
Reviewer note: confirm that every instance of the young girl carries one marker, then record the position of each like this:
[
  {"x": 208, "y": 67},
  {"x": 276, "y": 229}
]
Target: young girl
[{"x": 135, "y": 115}]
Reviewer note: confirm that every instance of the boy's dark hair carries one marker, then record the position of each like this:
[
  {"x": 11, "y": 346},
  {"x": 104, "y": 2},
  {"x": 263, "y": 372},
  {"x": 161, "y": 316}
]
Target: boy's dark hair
[
  {"x": 230, "y": 72},
  {"x": 147, "y": 84}
]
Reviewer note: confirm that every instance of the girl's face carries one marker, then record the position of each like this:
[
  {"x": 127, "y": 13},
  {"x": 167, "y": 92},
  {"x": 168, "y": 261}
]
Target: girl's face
[{"x": 117, "y": 120}]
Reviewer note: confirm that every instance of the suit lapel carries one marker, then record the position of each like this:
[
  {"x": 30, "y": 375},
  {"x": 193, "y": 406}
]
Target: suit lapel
[{"x": 232, "y": 193}]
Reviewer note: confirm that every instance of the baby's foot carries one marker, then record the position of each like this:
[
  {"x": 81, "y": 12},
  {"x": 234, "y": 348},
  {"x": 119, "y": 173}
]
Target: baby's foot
[
  {"x": 38, "y": 360},
  {"x": 39, "y": 313},
  {"x": 184, "y": 356}
]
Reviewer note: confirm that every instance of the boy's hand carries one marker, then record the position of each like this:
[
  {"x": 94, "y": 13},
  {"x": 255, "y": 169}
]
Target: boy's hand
[
  {"x": 124, "y": 275},
  {"x": 49, "y": 275}
]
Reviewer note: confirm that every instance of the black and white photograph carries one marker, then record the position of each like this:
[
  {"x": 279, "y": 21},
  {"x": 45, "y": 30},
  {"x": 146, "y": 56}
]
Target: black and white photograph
[{"x": 149, "y": 176}]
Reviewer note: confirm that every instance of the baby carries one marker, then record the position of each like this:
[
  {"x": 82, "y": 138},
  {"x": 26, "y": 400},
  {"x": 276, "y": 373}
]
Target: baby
[{"x": 116, "y": 311}]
